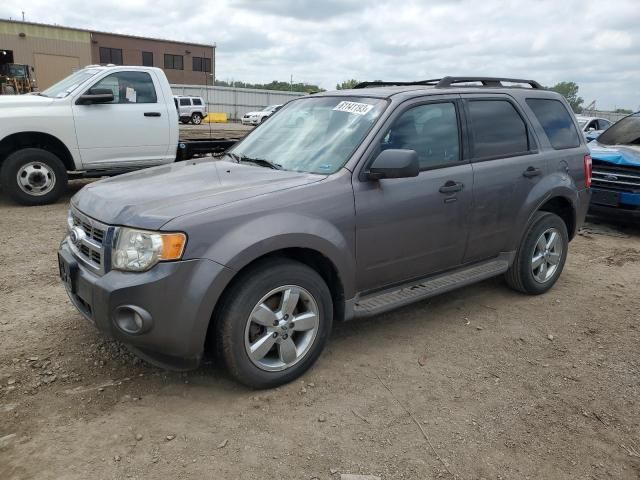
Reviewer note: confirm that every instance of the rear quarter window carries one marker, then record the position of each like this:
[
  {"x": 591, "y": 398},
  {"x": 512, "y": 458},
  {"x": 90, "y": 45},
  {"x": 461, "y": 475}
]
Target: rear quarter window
[
  {"x": 556, "y": 122},
  {"x": 197, "y": 101}
]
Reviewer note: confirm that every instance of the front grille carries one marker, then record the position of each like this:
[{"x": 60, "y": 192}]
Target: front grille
[
  {"x": 616, "y": 177},
  {"x": 91, "y": 248}
]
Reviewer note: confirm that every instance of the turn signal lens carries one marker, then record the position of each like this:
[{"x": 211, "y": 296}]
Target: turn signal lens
[{"x": 172, "y": 245}]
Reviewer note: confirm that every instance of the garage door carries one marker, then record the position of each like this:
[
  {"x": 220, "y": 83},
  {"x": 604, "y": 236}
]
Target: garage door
[{"x": 51, "y": 68}]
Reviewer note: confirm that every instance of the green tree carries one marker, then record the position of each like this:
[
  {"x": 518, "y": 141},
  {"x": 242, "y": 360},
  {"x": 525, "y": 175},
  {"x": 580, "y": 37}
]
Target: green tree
[
  {"x": 623, "y": 110},
  {"x": 347, "y": 84},
  {"x": 274, "y": 85},
  {"x": 569, "y": 90}
]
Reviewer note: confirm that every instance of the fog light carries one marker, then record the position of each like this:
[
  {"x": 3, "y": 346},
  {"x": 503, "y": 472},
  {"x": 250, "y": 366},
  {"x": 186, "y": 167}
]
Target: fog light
[{"x": 133, "y": 320}]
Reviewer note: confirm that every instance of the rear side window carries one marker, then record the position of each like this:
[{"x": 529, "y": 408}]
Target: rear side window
[
  {"x": 197, "y": 101},
  {"x": 497, "y": 129},
  {"x": 556, "y": 122},
  {"x": 185, "y": 101}
]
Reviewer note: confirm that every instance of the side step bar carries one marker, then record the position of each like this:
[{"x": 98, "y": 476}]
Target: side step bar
[{"x": 386, "y": 300}]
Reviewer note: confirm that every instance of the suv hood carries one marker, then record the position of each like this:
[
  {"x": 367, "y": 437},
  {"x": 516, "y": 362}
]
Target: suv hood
[
  {"x": 150, "y": 198},
  {"x": 23, "y": 100},
  {"x": 625, "y": 155}
]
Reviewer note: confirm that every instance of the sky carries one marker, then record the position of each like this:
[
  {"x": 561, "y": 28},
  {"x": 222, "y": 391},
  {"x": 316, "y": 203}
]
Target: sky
[{"x": 594, "y": 43}]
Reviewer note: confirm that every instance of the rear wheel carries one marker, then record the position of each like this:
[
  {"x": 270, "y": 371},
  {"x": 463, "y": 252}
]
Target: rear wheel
[
  {"x": 33, "y": 176},
  {"x": 541, "y": 257},
  {"x": 273, "y": 323},
  {"x": 196, "y": 118}
]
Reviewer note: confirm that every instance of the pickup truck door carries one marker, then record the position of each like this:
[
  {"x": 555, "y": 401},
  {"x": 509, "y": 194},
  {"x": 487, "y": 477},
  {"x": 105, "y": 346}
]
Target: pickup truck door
[
  {"x": 132, "y": 130},
  {"x": 409, "y": 228}
]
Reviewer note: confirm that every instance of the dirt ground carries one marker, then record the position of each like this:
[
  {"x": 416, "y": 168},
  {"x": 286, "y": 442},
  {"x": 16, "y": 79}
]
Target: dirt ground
[{"x": 504, "y": 386}]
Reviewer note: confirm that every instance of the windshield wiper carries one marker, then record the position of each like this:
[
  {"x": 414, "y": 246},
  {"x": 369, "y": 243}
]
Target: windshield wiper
[{"x": 257, "y": 161}]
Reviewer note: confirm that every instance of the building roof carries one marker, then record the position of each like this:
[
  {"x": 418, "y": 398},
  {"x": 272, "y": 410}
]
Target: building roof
[{"x": 19, "y": 22}]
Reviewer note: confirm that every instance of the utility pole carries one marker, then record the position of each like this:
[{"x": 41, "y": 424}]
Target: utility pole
[{"x": 291, "y": 84}]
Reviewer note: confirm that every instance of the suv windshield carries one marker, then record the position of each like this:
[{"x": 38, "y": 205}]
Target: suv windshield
[
  {"x": 315, "y": 135},
  {"x": 67, "y": 85},
  {"x": 624, "y": 132}
]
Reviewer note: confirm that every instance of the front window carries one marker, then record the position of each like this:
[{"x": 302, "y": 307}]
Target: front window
[
  {"x": 67, "y": 85},
  {"x": 129, "y": 87},
  {"x": 315, "y": 135}
]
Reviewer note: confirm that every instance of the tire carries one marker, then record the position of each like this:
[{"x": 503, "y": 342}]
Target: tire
[
  {"x": 196, "y": 118},
  {"x": 33, "y": 176},
  {"x": 537, "y": 267},
  {"x": 262, "y": 119},
  {"x": 237, "y": 332}
]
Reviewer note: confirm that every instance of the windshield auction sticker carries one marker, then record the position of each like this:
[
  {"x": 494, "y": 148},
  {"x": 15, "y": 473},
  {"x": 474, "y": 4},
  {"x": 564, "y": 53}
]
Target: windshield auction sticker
[{"x": 353, "y": 107}]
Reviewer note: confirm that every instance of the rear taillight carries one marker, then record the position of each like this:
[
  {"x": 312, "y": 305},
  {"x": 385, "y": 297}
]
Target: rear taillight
[{"x": 588, "y": 170}]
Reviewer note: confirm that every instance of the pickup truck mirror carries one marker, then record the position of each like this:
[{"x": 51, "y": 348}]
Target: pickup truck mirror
[
  {"x": 395, "y": 164},
  {"x": 96, "y": 95}
]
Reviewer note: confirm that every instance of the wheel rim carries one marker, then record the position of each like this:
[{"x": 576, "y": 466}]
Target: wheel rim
[
  {"x": 547, "y": 254},
  {"x": 281, "y": 328},
  {"x": 197, "y": 119},
  {"x": 36, "y": 178}
]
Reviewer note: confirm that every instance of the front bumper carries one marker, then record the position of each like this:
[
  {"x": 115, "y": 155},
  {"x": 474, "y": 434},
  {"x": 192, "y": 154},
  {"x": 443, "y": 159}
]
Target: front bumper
[
  {"x": 250, "y": 121},
  {"x": 628, "y": 206},
  {"x": 179, "y": 298}
]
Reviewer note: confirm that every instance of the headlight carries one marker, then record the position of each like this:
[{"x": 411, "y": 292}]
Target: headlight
[{"x": 139, "y": 250}]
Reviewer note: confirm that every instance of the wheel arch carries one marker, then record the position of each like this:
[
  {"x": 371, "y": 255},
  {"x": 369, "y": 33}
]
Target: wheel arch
[
  {"x": 311, "y": 257},
  {"x": 46, "y": 141}
]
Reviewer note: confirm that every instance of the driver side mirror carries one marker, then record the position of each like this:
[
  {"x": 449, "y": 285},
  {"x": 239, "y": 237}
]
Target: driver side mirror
[
  {"x": 394, "y": 163},
  {"x": 96, "y": 95}
]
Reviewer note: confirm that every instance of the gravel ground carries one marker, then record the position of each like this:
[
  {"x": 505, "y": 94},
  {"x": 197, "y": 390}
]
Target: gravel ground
[{"x": 478, "y": 383}]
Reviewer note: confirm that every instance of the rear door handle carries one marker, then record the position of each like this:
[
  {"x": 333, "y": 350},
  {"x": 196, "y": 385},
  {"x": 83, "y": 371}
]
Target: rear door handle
[
  {"x": 532, "y": 172},
  {"x": 451, "y": 187},
  {"x": 152, "y": 114}
]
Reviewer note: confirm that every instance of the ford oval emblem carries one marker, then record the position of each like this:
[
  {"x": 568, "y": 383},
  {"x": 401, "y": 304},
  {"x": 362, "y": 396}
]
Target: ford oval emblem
[
  {"x": 613, "y": 178},
  {"x": 76, "y": 235}
]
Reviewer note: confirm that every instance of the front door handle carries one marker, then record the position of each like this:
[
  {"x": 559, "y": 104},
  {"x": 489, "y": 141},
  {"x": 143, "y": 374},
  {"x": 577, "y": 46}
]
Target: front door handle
[
  {"x": 451, "y": 187},
  {"x": 152, "y": 114},
  {"x": 531, "y": 172}
]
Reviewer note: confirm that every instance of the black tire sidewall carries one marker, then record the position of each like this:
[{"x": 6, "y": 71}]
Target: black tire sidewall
[
  {"x": 237, "y": 306},
  {"x": 543, "y": 222},
  {"x": 17, "y": 159}
]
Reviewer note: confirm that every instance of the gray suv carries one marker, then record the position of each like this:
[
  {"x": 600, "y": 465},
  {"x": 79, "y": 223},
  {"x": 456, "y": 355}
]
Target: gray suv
[{"x": 385, "y": 195}]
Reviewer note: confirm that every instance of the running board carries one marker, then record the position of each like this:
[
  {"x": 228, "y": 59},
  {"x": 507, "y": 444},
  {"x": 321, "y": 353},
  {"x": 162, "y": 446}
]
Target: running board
[{"x": 386, "y": 300}]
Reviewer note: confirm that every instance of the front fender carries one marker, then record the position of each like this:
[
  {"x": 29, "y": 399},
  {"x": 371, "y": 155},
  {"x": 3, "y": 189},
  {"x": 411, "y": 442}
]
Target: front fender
[{"x": 247, "y": 242}]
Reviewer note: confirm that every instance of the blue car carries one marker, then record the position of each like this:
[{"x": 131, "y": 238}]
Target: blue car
[{"x": 616, "y": 170}]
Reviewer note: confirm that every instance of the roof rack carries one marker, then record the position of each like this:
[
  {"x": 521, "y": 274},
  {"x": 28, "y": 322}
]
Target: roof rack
[
  {"x": 451, "y": 81},
  {"x": 381, "y": 83}
]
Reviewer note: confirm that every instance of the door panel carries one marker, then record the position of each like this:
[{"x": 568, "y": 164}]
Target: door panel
[
  {"x": 500, "y": 185},
  {"x": 407, "y": 228},
  {"x": 133, "y": 129}
]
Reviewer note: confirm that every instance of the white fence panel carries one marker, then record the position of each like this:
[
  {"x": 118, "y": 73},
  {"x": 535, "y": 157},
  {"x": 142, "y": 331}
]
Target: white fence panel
[{"x": 235, "y": 102}]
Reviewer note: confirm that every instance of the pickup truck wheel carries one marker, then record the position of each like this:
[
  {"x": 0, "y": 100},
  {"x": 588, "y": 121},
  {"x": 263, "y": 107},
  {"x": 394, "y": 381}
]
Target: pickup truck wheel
[
  {"x": 540, "y": 259},
  {"x": 33, "y": 176},
  {"x": 274, "y": 323},
  {"x": 196, "y": 119}
]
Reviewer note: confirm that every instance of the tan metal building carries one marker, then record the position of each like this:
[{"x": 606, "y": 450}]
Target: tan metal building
[{"x": 53, "y": 52}]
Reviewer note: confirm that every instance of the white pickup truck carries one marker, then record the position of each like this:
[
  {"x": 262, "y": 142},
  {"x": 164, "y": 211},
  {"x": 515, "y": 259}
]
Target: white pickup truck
[{"x": 101, "y": 120}]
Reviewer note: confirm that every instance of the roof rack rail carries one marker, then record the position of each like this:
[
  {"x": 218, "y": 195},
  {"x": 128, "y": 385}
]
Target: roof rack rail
[
  {"x": 452, "y": 81},
  {"x": 486, "y": 81},
  {"x": 381, "y": 83}
]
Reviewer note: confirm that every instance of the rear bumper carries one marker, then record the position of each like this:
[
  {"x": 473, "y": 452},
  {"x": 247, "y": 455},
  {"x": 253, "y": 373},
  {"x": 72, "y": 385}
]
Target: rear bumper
[{"x": 178, "y": 297}]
